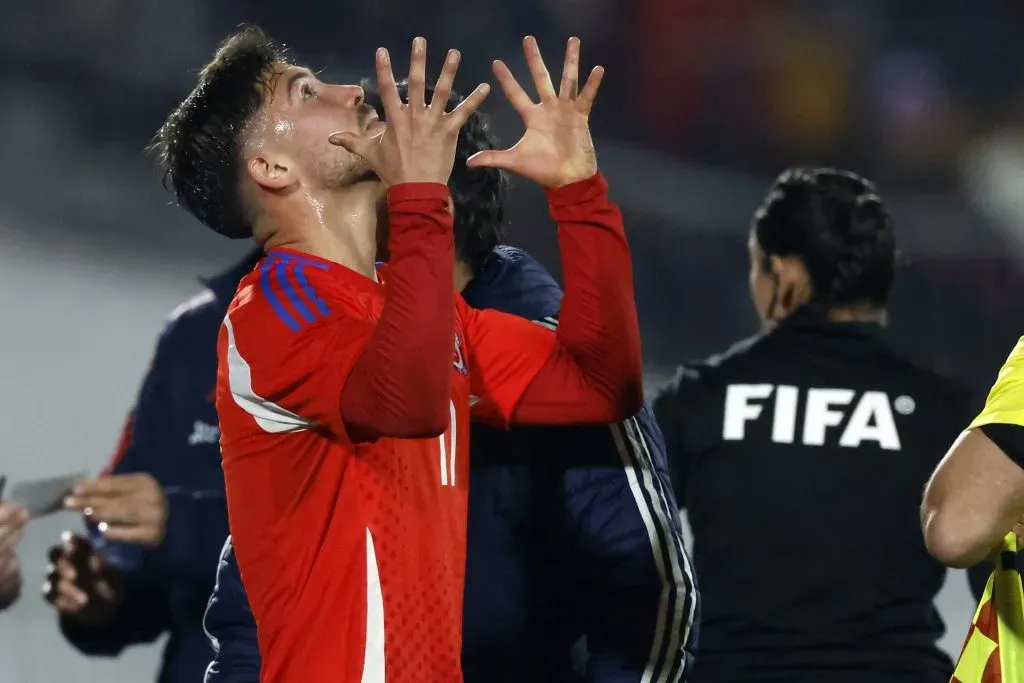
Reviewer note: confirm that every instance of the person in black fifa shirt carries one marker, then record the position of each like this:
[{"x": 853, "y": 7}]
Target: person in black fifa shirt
[{"x": 800, "y": 456}]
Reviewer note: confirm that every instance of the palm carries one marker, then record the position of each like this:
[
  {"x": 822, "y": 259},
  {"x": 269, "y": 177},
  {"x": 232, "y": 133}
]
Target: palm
[
  {"x": 554, "y": 152},
  {"x": 556, "y": 148}
]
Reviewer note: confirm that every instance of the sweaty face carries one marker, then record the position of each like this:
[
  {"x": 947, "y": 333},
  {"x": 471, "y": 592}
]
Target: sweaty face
[{"x": 300, "y": 114}]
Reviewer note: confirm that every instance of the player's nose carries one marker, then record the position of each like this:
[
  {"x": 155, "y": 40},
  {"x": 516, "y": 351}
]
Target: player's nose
[{"x": 349, "y": 95}]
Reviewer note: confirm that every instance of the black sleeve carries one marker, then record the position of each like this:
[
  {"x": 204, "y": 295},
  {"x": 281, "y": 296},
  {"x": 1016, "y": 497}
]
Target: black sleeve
[
  {"x": 674, "y": 408},
  {"x": 1009, "y": 438}
]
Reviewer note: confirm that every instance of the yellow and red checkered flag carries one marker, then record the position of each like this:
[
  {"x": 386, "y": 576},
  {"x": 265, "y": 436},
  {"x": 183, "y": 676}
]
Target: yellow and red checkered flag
[{"x": 994, "y": 649}]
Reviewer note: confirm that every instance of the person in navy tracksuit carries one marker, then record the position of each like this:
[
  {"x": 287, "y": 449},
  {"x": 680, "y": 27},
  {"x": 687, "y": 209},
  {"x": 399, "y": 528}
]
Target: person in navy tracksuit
[
  {"x": 573, "y": 534},
  {"x": 574, "y": 543},
  {"x": 164, "y": 490}
]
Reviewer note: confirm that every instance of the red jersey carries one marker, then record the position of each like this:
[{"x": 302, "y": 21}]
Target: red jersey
[{"x": 353, "y": 553}]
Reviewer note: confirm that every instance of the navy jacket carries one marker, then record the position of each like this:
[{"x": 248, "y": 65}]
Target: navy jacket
[
  {"x": 172, "y": 434},
  {"x": 575, "y": 562}
]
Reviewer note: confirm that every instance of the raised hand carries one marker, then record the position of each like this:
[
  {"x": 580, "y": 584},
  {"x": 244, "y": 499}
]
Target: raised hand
[
  {"x": 418, "y": 143},
  {"x": 556, "y": 148}
]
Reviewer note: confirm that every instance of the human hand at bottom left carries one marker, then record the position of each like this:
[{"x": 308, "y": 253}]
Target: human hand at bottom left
[
  {"x": 80, "y": 584},
  {"x": 13, "y": 519},
  {"x": 128, "y": 508}
]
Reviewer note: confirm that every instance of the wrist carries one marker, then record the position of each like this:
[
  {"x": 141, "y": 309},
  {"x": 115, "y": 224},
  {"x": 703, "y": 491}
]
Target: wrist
[
  {"x": 418, "y": 213},
  {"x": 577, "y": 175},
  {"x": 579, "y": 191},
  {"x": 98, "y": 613},
  {"x": 416, "y": 191}
]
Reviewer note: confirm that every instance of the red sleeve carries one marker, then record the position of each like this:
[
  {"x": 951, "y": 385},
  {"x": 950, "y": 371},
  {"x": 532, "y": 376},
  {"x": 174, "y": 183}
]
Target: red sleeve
[
  {"x": 402, "y": 384},
  {"x": 591, "y": 370},
  {"x": 504, "y": 354},
  {"x": 358, "y": 378}
]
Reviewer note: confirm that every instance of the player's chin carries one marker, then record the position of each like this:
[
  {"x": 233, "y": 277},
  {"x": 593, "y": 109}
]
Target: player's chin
[
  {"x": 352, "y": 171},
  {"x": 363, "y": 174}
]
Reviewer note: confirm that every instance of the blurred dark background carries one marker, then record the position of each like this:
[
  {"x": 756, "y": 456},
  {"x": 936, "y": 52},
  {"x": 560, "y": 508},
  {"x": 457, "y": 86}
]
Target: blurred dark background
[{"x": 704, "y": 101}]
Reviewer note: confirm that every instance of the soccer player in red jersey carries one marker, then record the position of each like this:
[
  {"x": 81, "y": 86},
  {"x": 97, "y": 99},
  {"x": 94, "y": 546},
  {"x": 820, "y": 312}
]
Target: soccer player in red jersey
[{"x": 344, "y": 390}]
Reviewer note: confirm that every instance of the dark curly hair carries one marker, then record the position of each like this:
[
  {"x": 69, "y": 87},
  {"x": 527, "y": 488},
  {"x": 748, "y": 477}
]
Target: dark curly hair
[
  {"x": 478, "y": 193},
  {"x": 199, "y": 147},
  {"x": 839, "y": 227}
]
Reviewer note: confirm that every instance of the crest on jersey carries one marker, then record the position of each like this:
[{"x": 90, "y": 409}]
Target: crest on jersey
[{"x": 458, "y": 360}]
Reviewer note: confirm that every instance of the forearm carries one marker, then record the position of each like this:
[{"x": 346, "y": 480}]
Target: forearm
[
  {"x": 596, "y": 369},
  {"x": 231, "y": 627},
  {"x": 401, "y": 384},
  {"x": 103, "y": 640},
  {"x": 972, "y": 501},
  {"x": 639, "y": 581},
  {"x": 629, "y": 627},
  {"x": 960, "y": 541},
  {"x": 197, "y": 524},
  {"x": 141, "y": 618},
  {"x": 237, "y": 660}
]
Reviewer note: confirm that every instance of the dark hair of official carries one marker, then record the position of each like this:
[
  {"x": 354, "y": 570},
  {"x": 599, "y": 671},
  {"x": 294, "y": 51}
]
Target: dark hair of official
[
  {"x": 478, "y": 193},
  {"x": 837, "y": 225},
  {"x": 200, "y": 145}
]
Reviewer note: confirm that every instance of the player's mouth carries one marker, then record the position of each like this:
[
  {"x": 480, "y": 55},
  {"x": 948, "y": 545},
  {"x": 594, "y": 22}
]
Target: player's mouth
[{"x": 371, "y": 121}]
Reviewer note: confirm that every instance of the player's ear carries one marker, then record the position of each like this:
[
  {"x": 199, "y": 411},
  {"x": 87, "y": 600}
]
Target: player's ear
[
  {"x": 794, "y": 285},
  {"x": 270, "y": 171}
]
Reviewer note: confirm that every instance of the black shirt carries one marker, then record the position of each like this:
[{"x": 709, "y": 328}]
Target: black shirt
[{"x": 801, "y": 456}]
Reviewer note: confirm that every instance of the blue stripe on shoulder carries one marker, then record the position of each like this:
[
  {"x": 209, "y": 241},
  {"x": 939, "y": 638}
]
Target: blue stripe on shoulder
[
  {"x": 307, "y": 289},
  {"x": 274, "y": 302},
  {"x": 282, "y": 267}
]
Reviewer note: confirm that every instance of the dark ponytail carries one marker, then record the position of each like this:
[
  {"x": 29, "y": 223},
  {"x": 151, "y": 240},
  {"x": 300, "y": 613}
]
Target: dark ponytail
[{"x": 839, "y": 227}]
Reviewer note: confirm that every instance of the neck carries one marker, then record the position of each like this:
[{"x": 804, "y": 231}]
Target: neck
[
  {"x": 857, "y": 314},
  {"x": 463, "y": 275},
  {"x": 339, "y": 226}
]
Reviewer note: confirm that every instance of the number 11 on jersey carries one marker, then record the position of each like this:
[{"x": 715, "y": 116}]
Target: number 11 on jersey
[{"x": 448, "y": 450}]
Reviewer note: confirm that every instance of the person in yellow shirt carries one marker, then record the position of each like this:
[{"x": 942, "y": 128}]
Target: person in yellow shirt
[{"x": 976, "y": 494}]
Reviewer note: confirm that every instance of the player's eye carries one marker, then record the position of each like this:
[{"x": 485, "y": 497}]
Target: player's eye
[{"x": 307, "y": 92}]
